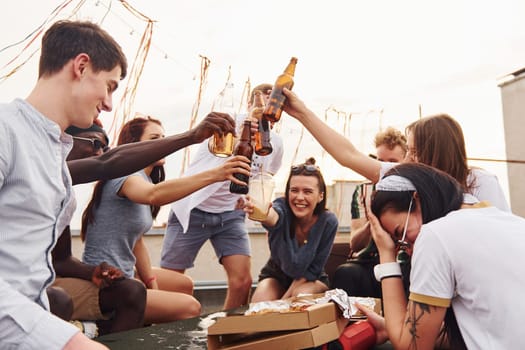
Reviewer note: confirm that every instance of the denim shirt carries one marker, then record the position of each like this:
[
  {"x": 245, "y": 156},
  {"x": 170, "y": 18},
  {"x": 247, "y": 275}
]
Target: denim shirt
[{"x": 36, "y": 203}]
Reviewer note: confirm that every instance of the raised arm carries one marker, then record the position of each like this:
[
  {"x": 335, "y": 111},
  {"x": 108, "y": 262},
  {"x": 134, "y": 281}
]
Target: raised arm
[
  {"x": 410, "y": 325},
  {"x": 128, "y": 158},
  {"x": 138, "y": 190},
  {"x": 333, "y": 142}
]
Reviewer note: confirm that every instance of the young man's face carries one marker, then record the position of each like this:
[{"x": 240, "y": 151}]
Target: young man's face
[
  {"x": 93, "y": 94},
  {"x": 395, "y": 155}
]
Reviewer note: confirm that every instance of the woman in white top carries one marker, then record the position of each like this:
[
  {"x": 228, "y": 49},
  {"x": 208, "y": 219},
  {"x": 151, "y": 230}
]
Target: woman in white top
[
  {"x": 435, "y": 140},
  {"x": 455, "y": 279}
]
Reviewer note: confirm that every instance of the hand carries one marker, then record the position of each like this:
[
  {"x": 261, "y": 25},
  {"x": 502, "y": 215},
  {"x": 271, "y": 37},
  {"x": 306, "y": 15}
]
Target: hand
[
  {"x": 235, "y": 164},
  {"x": 240, "y": 203},
  {"x": 293, "y": 105},
  {"x": 105, "y": 274},
  {"x": 213, "y": 122},
  {"x": 386, "y": 246},
  {"x": 376, "y": 321},
  {"x": 247, "y": 205}
]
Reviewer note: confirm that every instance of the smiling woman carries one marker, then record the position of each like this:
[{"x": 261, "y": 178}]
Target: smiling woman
[{"x": 301, "y": 232}]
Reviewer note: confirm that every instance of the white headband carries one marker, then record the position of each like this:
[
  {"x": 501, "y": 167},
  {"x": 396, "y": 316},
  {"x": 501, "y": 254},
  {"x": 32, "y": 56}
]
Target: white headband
[{"x": 395, "y": 183}]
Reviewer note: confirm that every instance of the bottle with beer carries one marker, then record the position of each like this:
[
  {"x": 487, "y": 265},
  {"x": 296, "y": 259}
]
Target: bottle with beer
[
  {"x": 274, "y": 108},
  {"x": 243, "y": 148},
  {"x": 221, "y": 145},
  {"x": 263, "y": 147}
]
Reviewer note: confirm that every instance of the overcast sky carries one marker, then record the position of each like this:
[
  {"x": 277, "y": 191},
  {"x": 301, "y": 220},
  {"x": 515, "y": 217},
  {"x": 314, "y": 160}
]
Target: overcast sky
[{"x": 376, "y": 60}]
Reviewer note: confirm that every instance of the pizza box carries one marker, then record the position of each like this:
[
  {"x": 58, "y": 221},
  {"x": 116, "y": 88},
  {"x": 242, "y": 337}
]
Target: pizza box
[
  {"x": 312, "y": 316},
  {"x": 284, "y": 340}
]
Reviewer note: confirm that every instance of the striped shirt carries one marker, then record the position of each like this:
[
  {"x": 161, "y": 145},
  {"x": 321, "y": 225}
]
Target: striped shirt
[{"x": 36, "y": 203}]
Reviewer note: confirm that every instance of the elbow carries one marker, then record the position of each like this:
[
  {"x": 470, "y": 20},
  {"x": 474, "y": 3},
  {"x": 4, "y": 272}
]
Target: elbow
[{"x": 158, "y": 199}]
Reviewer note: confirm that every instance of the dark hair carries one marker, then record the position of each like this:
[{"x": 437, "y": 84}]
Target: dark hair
[
  {"x": 64, "y": 40},
  {"x": 308, "y": 168},
  {"x": 131, "y": 132},
  {"x": 439, "y": 194},
  {"x": 73, "y": 131},
  {"x": 439, "y": 142}
]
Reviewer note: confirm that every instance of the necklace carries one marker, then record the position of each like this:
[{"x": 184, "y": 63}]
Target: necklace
[{"x": 301, "y": 233}]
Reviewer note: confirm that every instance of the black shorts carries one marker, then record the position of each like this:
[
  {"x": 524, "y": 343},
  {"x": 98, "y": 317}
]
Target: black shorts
[{"x": 271, "y": 269}]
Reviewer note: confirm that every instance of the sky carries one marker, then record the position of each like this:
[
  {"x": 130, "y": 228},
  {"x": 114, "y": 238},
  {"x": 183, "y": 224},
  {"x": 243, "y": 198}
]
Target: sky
[{"x": 363, "y": 65}]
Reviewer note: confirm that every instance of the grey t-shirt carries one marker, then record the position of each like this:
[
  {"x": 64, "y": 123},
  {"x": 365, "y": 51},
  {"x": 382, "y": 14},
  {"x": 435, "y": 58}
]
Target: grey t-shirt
[{"x": 118, "y": 224}]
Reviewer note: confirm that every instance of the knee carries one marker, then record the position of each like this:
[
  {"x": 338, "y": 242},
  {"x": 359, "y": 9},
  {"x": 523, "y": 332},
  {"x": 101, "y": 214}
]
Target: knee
[
  {"x": 131, "y": 294},
  {"x": 241, "y": 282},
  {"x": 194, "y": 308},
  {"x": 186, "y": 285},
  {"x": 60, "y": 303}
]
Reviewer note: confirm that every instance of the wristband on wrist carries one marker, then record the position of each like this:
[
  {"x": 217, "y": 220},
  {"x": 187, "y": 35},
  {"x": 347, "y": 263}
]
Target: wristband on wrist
[{"x": 391, "y": 269}]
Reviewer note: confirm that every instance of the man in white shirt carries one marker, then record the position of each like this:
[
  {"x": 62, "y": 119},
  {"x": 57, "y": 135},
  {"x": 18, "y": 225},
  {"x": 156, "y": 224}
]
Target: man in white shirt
[{"x": 213, "y": 213}]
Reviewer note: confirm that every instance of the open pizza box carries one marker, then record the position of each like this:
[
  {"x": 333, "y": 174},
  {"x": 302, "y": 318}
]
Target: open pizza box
[{"x": 309, "y": 320}]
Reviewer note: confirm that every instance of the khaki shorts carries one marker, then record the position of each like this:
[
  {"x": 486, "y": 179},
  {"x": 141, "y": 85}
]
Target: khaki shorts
[{"x": 85, "y": 298}]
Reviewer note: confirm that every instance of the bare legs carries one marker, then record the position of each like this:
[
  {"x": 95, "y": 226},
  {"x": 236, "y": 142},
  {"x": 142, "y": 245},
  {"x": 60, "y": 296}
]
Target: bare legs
[{"x": 239, "y": 280}]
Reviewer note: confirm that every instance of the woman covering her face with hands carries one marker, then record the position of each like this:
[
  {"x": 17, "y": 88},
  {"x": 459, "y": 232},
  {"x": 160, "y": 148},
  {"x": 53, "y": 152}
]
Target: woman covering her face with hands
[
  {"x": 300, "y": 234},
  {"x": 455, "y": 277}
]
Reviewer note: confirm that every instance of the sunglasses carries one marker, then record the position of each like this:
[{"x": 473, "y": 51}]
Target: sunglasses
[
  {"x": 95, "y": 143},
  {"x": 306, "y": 168}
]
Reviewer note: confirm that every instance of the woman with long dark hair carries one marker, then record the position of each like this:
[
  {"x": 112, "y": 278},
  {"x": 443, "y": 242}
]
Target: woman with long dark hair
[
  {"x": 454, "y": 277},
  {"x": 122, "y": 210}
]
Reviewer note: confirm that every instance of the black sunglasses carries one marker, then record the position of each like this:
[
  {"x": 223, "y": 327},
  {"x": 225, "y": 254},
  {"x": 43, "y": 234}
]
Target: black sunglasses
[
  {"x": 95, "y": 143},
  {"x": 306, "y": 168}
]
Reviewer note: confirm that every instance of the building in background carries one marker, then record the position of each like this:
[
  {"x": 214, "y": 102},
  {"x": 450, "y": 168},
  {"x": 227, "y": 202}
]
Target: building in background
[{"x": 513, "y": 101}]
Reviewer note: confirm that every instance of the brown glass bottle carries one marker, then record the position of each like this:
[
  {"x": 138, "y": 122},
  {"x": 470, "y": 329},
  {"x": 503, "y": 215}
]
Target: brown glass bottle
[
  {"x": 274, "y": 108},
  {"x": 263, "y": 146},
  {"x": 243, "y": 148}
]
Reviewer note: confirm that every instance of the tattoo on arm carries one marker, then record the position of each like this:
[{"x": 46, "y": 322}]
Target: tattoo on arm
[{"x": 415, "y": 312}]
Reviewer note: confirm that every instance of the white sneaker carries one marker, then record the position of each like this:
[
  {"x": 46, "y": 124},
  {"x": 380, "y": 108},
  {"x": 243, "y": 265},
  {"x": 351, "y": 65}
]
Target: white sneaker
[{"x": 89, "y": 328}]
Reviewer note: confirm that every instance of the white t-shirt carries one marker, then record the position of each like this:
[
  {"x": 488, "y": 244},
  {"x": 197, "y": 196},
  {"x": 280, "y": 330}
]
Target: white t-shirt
[
  {"x": 216, "y": 197},
  {"x": 473, "y": 259},
  {"x": 485, "y": 186}
]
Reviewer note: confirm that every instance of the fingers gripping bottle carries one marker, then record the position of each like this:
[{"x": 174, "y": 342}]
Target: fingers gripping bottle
[{"x": 274, "y": 108}]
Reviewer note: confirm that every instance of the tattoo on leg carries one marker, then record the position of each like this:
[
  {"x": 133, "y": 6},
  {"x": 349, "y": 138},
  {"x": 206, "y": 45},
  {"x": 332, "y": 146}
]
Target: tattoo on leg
[{"x": 416, "y": 311}]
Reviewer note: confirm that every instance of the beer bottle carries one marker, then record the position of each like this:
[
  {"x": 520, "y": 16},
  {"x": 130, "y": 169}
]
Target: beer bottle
[
  {"x": 263, "y": 147},
  {"x": 221, "y": 145},
  {"x": 243, "y": 148},
  {"x": 274, "y": 108}
]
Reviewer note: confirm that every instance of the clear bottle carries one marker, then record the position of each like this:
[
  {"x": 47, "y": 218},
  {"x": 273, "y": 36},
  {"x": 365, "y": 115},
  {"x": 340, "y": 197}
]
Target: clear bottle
[
  {"x": 274, "y": 108},
  {"x": 263, "y": 146},
  {"x": 244, "y": 148}
]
